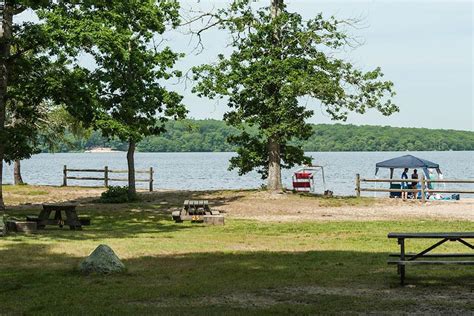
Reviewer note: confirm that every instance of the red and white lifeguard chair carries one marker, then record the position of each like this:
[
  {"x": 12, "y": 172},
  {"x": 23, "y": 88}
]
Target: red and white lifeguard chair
[{"x": 303, "y": 179}]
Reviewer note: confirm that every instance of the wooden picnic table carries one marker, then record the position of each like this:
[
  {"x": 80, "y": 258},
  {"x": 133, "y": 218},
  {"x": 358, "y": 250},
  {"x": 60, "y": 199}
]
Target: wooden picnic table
[
  {"x": 70, "y": 219},
  {"x": 425, "y": 256},
  {"x": 195, "y": 211}
]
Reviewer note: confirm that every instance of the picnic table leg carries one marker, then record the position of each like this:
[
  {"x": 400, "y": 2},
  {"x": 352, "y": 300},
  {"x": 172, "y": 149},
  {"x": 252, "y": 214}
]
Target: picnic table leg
[
  {"x": 401, "y": 267},
  {"x": 43, "y": 218},
  {"x": 73, "y": 220},
  {"x": 59, "y": 218}
]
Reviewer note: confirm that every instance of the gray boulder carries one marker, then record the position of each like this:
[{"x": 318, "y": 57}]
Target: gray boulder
[{"x": 102, "y": 260}]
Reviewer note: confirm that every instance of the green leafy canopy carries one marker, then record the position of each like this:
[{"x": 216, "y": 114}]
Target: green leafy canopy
[
  {"x": 36, "y": 73},
  {"x": 276, "y": 61},
  {"x": 126, "y": 96}
]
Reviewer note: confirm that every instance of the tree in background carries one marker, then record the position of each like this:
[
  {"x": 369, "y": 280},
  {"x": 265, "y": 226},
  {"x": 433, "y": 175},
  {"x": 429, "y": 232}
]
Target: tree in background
[
  {"x": 126, "y": 94},
  {"x": 25, "y": 70},
  {"x": 277, "y": 59},
  {"x": 47, "y": 128}
]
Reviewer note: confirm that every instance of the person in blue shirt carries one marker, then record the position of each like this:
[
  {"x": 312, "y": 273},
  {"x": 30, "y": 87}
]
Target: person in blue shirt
[{"x": 404, "y": 185}]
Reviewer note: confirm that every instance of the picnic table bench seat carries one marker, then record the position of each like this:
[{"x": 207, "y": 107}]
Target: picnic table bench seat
[
  {"x": 434, "y": 255},
  {"x": 425, "y": 257},
  {"x": 437, "y": 262},
  {"x": 85, "y": 220}
]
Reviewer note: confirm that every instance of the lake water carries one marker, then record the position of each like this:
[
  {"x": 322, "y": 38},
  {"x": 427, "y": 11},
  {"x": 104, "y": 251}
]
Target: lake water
[{"x": 207, "y": 171}]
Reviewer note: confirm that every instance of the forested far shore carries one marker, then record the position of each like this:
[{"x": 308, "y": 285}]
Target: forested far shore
[{"x": 211, "y": 136}]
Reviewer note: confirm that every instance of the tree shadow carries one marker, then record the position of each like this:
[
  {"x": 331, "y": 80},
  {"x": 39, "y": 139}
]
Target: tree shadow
[
  {"x": 164, "y": 200},
  {"x": 114, "y": 226},
  {"x": 223, "y": 282},
  {"x": 176, "y": 198},
  {"x": 150, "y": 214},
  {"x": 172, "y": 198}
]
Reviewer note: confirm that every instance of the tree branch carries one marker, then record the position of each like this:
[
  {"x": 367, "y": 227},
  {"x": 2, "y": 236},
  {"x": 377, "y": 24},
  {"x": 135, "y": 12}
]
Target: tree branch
[{"x": 18, "y": 9}]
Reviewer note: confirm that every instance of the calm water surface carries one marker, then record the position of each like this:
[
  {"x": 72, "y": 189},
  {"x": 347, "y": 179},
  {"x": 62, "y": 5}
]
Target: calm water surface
[{"x": 207, "y": 171}]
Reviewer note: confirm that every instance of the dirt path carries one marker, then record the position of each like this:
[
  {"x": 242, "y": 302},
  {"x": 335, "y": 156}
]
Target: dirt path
[{"x": 289, "y": 207}]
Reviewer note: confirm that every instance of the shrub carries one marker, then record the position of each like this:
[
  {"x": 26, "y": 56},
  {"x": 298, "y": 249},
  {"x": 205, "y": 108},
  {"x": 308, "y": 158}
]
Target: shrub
[{"x": 115, "y": 194}]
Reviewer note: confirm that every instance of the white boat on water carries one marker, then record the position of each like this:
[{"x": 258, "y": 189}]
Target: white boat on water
[{"x": 101, "y": 150}]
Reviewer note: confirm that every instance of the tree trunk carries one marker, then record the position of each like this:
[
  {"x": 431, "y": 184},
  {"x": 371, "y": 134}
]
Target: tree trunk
[
  {"x": 17, "y": 179},
  {"x": 5, "y": 38},
  {"x": 274, "y": 166},
  {"x": 2, "y": 150},
  {"x": 2, "y": 204},
  {"x": 277, "y": 6},
  {"x": 131, "y": 168},
  {"x": 274, "y": 149}
]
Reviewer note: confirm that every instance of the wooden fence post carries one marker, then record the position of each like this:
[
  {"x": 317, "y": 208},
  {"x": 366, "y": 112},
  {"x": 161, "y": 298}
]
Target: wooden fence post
[
  {"x": 106, "y": 176},
  {"x": 358, "y": 185},
  {"x": 423, "y": 188},
  {"x": 65, "y": 176},
  {"x": 151, "y": 179}
]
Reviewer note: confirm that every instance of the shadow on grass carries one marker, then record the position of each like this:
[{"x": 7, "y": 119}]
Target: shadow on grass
[
  {"x": 114, "y": 226},
  {"x": 255, "y": 282},
  {"x": 149, "y": 215},
  {"x": 171, "y": 199}
]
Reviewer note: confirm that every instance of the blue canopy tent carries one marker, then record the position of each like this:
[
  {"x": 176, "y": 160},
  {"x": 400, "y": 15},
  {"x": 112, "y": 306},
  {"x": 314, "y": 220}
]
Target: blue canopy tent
[{"x": 407, "y": 161}]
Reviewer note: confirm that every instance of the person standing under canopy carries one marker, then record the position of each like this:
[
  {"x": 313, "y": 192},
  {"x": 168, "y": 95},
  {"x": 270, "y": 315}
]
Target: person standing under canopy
[
  {"x": 414, "y": 175},
  {"x": 414, "y": 185},
  {"x": 404, "y": 185}
]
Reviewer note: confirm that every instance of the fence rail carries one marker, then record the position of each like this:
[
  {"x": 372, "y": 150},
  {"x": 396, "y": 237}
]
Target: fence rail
[
  {"x": 106, "y": 178},
  {"x": 423, "y": 189}
]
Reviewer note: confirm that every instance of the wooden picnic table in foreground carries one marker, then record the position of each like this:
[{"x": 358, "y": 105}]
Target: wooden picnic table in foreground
[{"x": 425, "y": 256}]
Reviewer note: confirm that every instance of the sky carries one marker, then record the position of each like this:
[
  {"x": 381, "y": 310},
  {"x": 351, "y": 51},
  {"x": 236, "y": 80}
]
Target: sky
[{"x": 424, "y": 47}]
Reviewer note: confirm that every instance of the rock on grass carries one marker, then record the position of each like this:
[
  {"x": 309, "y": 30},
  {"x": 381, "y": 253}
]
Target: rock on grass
[{"x": 102, "y": 260}]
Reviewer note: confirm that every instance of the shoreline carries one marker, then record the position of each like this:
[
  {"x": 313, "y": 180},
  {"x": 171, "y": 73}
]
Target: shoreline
[
  {"x": 110, "y": 150},
  {"x": 100, "y": 150}
]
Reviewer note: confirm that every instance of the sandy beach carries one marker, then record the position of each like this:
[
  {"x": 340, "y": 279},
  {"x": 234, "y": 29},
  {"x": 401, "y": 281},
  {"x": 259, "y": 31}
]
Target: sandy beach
[{"x": 291, "y": 209}]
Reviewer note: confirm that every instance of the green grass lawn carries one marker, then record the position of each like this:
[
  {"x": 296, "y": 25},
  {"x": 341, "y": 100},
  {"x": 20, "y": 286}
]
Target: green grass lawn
[{"x": 244, "y": 267}]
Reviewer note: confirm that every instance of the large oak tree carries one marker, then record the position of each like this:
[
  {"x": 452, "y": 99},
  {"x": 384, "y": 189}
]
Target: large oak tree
[{"x": 279, "y": 58}]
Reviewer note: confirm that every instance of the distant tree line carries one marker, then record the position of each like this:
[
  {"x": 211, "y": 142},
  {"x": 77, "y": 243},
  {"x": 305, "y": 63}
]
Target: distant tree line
[{"x": 211, "y": 136}]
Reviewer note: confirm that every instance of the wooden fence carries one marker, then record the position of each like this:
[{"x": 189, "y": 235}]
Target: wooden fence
[
  {"x": 423, "y": 189},
  {"x": 106, "y": 178}
]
